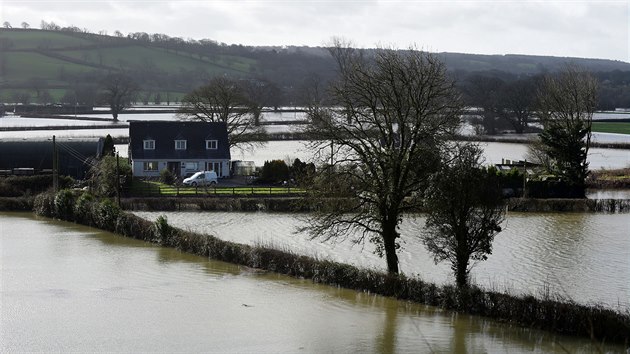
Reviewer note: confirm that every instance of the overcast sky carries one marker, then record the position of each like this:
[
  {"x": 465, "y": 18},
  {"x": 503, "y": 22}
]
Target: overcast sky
[{"x": 589, "y": 29}]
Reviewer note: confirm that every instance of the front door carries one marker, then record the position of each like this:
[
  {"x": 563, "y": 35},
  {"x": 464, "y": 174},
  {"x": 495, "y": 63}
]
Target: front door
[{"x": 175, "y": 167}]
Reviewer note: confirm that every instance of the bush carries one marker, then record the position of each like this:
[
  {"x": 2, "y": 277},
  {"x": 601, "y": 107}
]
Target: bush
[
  {"x": 164, "y": 233},
  {"x": 44, "y": 204},
  {"x": 103, "y": 176},
  {"x": 15, "y": 186},
  {"x": 63, "y": 204},
  {"x": 275, "y": 171},
  {"x": 83, "y": 208},
  {"x": 105, "y": 214},
  {"x": 167, "y": 177}
]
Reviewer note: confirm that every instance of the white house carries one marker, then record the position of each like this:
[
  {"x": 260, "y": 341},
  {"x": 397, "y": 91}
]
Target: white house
[{"x": 183, "y": 147}]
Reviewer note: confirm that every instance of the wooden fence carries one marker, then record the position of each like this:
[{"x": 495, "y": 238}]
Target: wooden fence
[{"x": 180, "y": 191}]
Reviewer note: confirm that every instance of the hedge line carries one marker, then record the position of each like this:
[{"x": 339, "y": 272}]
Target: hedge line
[
  {"x": 297, "y": 205},
  {"x": 563, "y": 317}
]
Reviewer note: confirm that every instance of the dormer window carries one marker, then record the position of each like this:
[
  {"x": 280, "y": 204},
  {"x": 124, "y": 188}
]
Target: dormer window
[
  {"x": 212, "y": 144},
  {"x": 180, "y": 144},
  {"x": 149, "y": 144}
]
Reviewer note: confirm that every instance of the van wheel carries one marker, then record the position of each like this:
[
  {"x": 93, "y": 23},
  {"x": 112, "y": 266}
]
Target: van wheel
[
  {"x": 213, "y": 183},
  {"x": 194, "y": 184}
]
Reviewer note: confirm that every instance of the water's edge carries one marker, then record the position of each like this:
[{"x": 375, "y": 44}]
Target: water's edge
[{"x": 561, "y": 317}]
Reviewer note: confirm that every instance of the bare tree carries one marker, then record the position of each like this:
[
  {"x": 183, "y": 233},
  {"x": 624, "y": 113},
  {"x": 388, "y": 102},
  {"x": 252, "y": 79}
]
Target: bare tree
[
  {"x": 119, "y": 92},
  {"x": 566, "y": 104},
  {"x": 6, "y": 24},
  {"x": 392, "y": 113},
  {"x": 518, "y": 101},
  {"x": 223, "y": 100},
  {"x": 464, "y": 211},
  {"x": 483, "y": 92},
  {"x": 25, "y": 25},
  {"x": 260, "y": 93}
]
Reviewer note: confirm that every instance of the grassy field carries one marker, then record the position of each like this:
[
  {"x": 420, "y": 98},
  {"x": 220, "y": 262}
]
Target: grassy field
[
  {"x": 34, "y": 39},
  {"x": 611, "y": 127},
  {"x": 76, "y": 54}
]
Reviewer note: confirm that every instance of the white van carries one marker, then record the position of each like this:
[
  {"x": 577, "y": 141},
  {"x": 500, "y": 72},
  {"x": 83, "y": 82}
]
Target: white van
[{"x": 201, "y": 178}]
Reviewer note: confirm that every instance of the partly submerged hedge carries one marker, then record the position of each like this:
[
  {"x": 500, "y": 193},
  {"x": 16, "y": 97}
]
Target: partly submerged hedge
[
  {"x": 565, "y": 317},
  {"x": 293, "y": 204}
]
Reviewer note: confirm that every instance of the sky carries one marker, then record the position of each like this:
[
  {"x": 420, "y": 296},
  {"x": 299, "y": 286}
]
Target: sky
[{"x": 585, "y": 29}]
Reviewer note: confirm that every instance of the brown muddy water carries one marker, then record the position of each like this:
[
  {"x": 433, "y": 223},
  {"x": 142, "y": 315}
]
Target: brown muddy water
[
  {"x": 69, "y": 288},
  {"x": 583, "y": 257}
]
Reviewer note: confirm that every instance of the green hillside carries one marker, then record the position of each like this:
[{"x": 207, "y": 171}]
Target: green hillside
[
  {"x": 38, "y": 66},
  {"x": 58, "y": 61}
]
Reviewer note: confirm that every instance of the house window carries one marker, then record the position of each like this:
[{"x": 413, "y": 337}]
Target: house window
[
  {"x": 211, "y": 144},
  {"x": 150, "y": 166},
  {"x": 180, "y": 144},
  {"x": 149, "y": 144},
  {"x": 192, "y": 166}
]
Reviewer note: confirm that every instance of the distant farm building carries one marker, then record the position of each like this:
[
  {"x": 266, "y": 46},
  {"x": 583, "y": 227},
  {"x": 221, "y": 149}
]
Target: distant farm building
[{"x": 35, "y": 156}]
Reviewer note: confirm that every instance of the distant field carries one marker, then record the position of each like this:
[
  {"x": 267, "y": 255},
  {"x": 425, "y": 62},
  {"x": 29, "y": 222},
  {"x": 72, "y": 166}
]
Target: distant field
[
  {"x": 611, "y": 127},
  {"x": 56, "y": 59},
  {"x": 34, "y": 39}
]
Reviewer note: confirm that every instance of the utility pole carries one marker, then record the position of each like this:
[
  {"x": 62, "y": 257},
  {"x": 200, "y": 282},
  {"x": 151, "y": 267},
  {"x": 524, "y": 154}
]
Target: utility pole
[
  {"x": 55, "y": 166},
  {"x": 117, "y": 180}
]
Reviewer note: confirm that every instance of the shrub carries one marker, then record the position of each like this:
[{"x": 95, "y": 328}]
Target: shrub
[
  {"x": 164, "y": 233},
  {"x": 83, "y": 208},
  {"x": 167, "y": 177},
  {"x": 63, "y": 204},
  {"x": 275, "y": 171},
  {"x": 105, "y": 214},
  {"x": 44, "y": 204},
  {"x": 15, "y": 186}
]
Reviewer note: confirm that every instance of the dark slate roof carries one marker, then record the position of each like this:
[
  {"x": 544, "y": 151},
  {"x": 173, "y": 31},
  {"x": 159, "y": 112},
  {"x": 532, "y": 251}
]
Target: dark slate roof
[
  {"x": 166, "y": 132},
  {"x": 75, "y": 154}
]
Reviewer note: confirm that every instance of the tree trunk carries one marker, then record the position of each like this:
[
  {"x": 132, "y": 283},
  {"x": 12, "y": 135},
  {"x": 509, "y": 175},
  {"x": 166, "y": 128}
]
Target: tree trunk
[
  {"x": 389, "y": 241},
  {"x": 115, "y": 115},
  {"x": 461, "y": 274}
]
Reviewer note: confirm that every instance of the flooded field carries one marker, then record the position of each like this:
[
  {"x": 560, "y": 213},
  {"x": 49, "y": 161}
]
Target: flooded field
[{"x": 69, "y": 288}]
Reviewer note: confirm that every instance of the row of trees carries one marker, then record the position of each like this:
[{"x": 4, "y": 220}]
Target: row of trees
[
  {"x": 238, "y": 103},
  {"x": 387, "y": 146},
  {"x": 501, "y": 104}
]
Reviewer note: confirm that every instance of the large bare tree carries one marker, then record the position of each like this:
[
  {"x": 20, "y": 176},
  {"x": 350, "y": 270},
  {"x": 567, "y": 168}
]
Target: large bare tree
[
  {"x": 223, "y": 100},
  {"x": 566, "y": 102},
  {"x": 391, "y": 113}
]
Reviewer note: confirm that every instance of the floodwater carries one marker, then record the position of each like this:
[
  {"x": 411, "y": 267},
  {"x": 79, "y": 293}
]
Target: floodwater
[
  {"x": 494, "y": 152},
  {"x": 69, "y": 288},
  {"x": 584, "y": 257}
]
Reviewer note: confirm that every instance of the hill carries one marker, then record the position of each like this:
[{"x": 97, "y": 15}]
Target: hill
[{"x": 56, "y": 65}]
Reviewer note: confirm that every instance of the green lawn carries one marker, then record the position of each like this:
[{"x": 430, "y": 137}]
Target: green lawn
[{"x": 611, "y": 127}]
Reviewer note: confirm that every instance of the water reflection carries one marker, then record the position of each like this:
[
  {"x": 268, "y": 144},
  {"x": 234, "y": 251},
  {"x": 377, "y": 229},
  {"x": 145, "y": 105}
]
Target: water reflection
[
  {"x": 583, "y": 256},
  {"x": 106, "y": 293}
]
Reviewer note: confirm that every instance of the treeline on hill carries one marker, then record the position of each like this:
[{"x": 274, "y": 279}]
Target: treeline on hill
[{"x": 166, "y": 68}]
